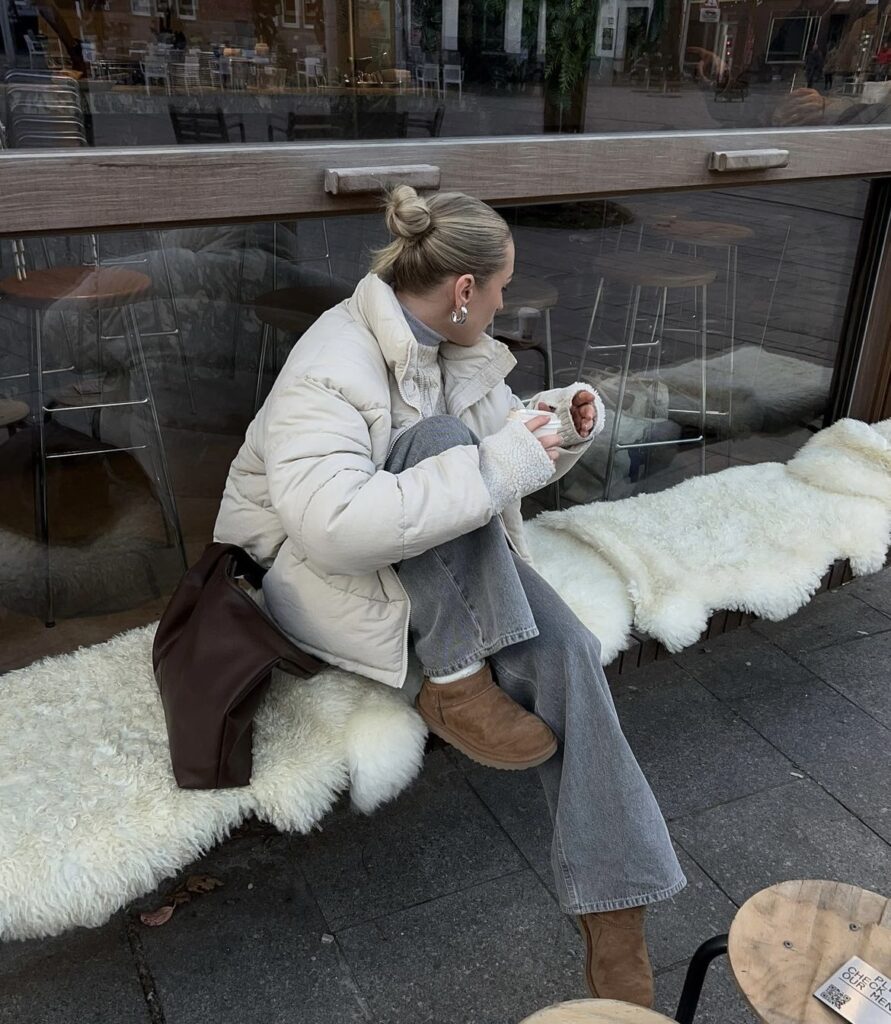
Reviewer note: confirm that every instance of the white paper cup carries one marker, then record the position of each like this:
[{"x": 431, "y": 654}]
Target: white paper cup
[{"x": 524, "y": 415}]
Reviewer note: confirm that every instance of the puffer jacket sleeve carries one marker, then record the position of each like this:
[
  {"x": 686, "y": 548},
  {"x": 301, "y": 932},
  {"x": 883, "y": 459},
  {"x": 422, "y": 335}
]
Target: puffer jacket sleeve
[
  {"x": 573, "y": 446},
  {"x": 346, "y": 516}
]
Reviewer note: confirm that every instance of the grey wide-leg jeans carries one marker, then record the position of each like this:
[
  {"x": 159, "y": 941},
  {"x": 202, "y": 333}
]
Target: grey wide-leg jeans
[{"x": 474, "y": 598}]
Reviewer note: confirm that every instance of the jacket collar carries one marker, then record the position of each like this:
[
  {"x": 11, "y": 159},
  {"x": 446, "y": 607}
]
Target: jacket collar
[{"x": 468, "y": 372}]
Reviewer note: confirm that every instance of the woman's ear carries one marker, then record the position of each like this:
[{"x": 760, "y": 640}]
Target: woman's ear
[{"x": 464, "y": 289}]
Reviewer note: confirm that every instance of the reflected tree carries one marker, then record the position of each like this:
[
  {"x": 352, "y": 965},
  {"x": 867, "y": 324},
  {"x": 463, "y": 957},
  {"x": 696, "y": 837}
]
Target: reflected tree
[{"x": 570, "y": 37}]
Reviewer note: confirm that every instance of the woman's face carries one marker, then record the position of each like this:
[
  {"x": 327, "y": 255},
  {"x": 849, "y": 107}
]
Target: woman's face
[{"x": 482, "y": 302}]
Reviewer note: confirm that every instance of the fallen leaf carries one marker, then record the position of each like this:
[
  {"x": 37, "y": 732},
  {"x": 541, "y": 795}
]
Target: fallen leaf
[
  {"x": 202, "y": 883},
  {"x": 153, "y": 918}
]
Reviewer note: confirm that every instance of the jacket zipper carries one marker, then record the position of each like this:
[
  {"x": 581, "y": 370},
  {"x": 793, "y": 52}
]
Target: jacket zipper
[{"x": 390, "y": 447}]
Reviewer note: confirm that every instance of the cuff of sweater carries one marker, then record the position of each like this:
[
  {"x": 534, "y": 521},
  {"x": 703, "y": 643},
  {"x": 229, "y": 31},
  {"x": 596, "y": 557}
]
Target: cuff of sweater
[
  {"x": 513, "y": 464},
  {"x": 570, "y": 436}
]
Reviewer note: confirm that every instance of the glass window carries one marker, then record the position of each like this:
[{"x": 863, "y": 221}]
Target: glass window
[
  {"x": 789, "y": 39},
  {"x": 748, "y": 283},
  {"x": 322, "y": 69},
  {"x": 290, "y": 16}
]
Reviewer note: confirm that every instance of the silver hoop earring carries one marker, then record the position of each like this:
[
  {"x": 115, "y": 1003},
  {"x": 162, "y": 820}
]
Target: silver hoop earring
[{"x": 459, "y": 318}]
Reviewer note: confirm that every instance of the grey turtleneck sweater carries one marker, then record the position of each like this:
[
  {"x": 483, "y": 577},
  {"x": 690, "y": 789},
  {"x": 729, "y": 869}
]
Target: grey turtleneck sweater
[
  {"x": 512, "y": 462},
  {"x": 428, "y": 373}
]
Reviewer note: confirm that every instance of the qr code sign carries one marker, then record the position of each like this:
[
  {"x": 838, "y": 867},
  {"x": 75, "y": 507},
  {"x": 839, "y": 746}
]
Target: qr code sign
[{"x": 834, "y": 996}]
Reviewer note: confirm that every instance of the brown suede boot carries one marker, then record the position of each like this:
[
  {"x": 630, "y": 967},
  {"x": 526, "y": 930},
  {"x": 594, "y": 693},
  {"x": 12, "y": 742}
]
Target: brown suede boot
[
  {"x": 617, "y": 965},
  {"x": 479, "y": 719}
]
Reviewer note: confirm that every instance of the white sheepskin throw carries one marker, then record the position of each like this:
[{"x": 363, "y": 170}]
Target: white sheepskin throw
[
  {"x": 752, "y": 538},
  {"x": 90, "y": 815}
]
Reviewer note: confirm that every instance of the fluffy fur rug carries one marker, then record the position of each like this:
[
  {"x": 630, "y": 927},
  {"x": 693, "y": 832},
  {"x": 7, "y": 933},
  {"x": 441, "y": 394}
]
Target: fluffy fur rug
[
  {"x": 753, "y": 538},
  {"x": 90, "y": 816}
]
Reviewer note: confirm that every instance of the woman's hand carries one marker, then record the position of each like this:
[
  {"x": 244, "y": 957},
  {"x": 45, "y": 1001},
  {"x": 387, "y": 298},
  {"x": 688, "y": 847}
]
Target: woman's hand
[
  {"x": 582, "y": 412},
  {"x": 550, "y": 442}
]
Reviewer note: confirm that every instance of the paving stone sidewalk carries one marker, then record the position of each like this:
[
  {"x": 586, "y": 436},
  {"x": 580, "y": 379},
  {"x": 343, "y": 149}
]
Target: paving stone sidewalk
[{"x": 768, "y": 749}]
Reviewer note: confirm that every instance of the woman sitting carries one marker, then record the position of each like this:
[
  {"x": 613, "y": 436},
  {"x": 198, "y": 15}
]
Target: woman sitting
[{"x": 381, "y": 484}]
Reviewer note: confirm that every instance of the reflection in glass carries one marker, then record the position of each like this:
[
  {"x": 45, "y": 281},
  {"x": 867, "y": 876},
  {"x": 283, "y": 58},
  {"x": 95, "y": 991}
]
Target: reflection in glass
[
  {"x": 303, "y": 70},
  {"x": 193, "y": 324}
]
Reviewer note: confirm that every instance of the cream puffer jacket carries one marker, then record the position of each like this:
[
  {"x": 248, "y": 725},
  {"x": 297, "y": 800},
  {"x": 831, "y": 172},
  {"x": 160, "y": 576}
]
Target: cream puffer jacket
[{"x": 308, "y": 497}]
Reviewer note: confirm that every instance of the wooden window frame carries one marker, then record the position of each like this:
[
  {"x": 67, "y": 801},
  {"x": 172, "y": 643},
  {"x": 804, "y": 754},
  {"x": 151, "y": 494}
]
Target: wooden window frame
[
  {"x": 169, "y": 186},
  {"x": 174, "y": 186}
]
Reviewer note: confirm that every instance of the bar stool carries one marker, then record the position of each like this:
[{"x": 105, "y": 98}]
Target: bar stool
[
  {"x": 787, "y": 940},
  {"x": 292, "y": 310},
  {"x": 663, "y": 272},
  {"x": 528, "y": 298},
  {"x": 81, "y": 289},
  {"x": 595, "y": 1011}
]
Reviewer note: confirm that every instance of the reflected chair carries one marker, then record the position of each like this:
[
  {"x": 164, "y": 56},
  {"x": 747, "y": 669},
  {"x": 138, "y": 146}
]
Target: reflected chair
[
  {"x": 298, "y": 127},
  {"x": 185, "y": 74},
  {"x": 430, "y": 76},
  {"x": 452, "y": 74},
  {"x": 195, "y": 127},
  {"x": 44, "y": 110},
  {"x": 155, "y": 69},
  {"x": 82, "y": 289},
  {"x": 310, "y": 71},
  {"x": 662, "y": 272},
  {"x": 37, "y": 51}
]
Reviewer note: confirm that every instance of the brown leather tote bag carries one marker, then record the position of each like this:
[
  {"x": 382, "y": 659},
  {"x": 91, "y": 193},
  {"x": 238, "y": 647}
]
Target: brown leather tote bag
[{"x": 213, "y": 656}]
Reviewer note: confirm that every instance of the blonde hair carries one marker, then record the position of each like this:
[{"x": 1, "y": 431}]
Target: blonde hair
[{"x": 436, "y": 237}]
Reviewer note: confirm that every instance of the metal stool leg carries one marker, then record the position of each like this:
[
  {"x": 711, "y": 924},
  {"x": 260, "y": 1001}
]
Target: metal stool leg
[
  {"x": 733, "y": 287},
  {"x": 695, "y": 978},
  {"x": 623, "y": 381},
  {"x": 177, "y": 328},
  {"x": 549, "y": 352},
  {"x": 261, "y": 368},
  {"x": 597, "y": 297},
  {"x": 41, "y": 496},
  {"x": 164, "y": 479},
  {"x": 702, "y": 370},
  {"x": 237, "y": 301}
]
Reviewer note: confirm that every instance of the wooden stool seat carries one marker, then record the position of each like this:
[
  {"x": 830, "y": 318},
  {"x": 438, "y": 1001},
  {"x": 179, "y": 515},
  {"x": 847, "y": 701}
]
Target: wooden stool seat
[
  {"x": 595, "y": 1011},
  {"x": 787, "y": 940},
  {"x": 12, "y": 411},
  {"x": 530, "y": 292},
  {"x": 707, "y": 233},
  {"x": 289, "y": 309},
  {"x": 653, "y": 215},
  {"x": 70, "y": 287},
  {"x": 654, "y": 270}
]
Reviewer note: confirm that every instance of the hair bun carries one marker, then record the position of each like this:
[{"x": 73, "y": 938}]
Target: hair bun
[{"x": 407, "y": 213}]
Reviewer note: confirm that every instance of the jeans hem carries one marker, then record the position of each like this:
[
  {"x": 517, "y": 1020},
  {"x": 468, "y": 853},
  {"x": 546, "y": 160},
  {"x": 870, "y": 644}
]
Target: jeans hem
[
  {"x": 625, "y": 903},
  {"x": 505, "y": 640}
]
